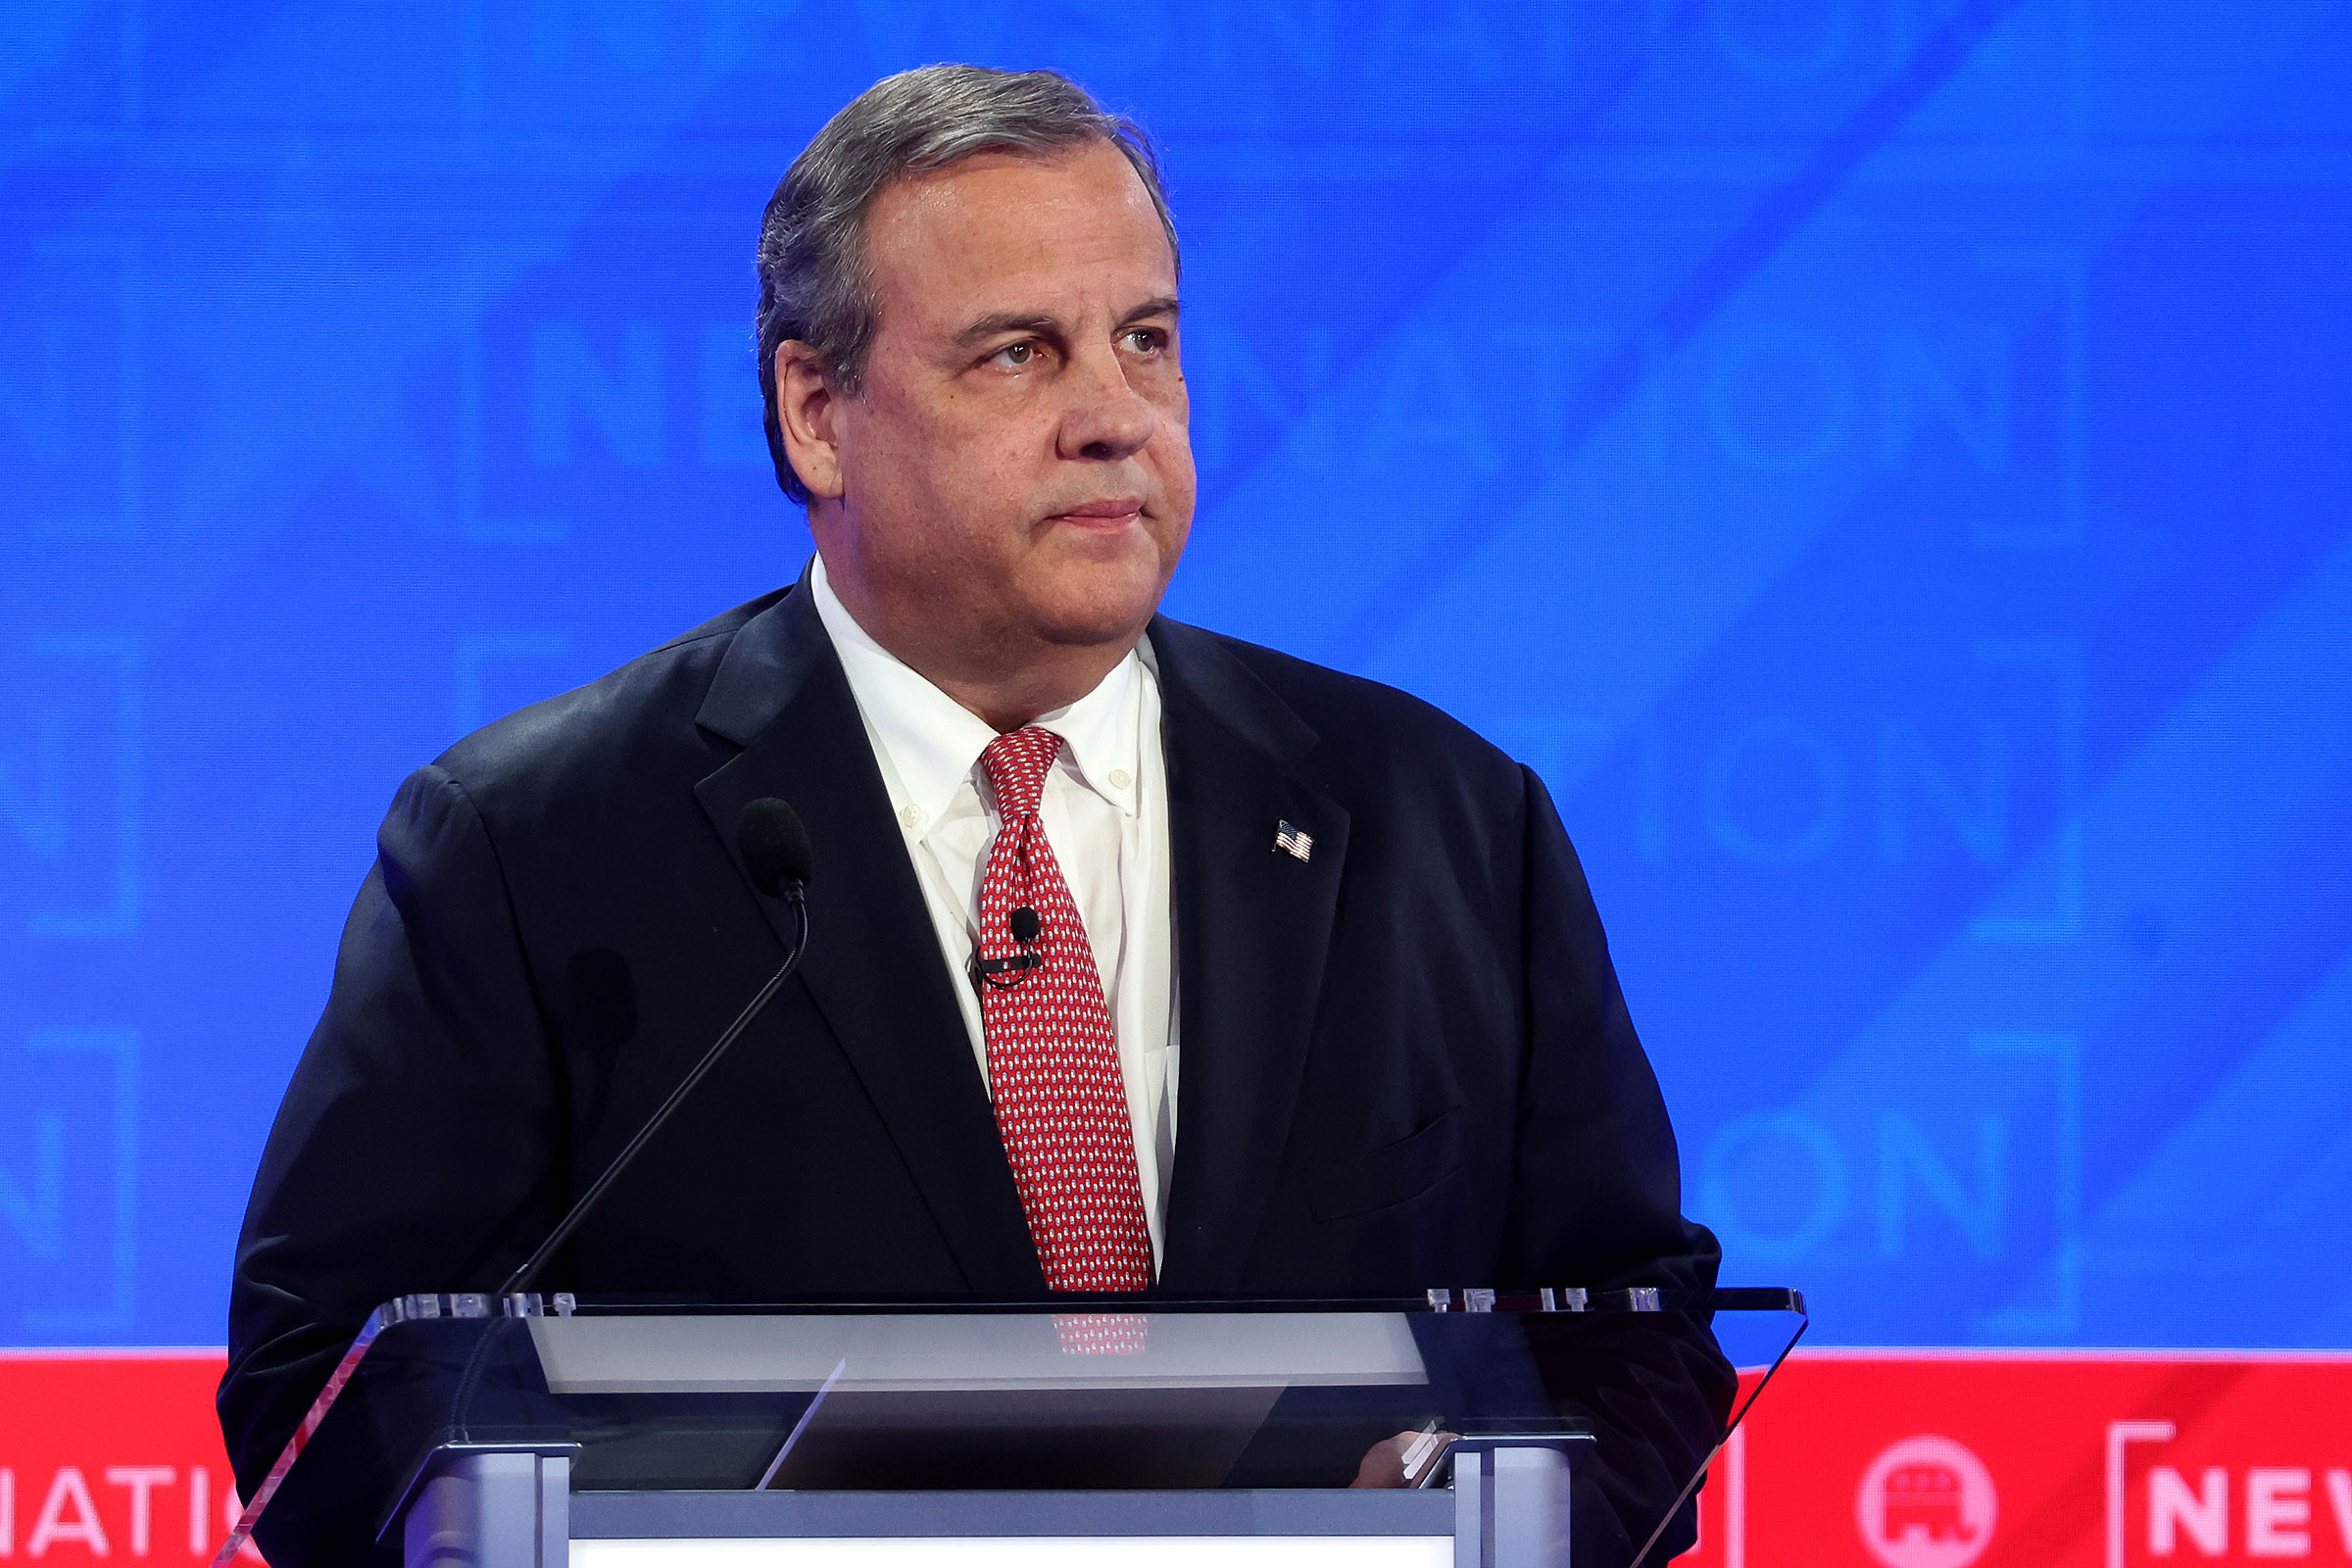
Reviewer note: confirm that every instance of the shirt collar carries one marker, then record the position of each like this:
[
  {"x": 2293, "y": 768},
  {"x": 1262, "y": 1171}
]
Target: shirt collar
[{"x": 932, "y": 743}]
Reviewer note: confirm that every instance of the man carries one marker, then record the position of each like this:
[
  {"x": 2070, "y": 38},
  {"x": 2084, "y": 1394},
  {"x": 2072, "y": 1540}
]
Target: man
[{"x": 1140, "y": 958}]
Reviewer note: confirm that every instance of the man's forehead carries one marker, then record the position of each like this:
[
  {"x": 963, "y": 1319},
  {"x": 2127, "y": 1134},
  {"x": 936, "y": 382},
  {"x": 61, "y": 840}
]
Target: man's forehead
[
  {"x": 1097, "y": 167},
  {"x": 996, "y": 223}
]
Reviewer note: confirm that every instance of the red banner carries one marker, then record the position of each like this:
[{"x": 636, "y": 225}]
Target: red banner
[
  {"x": 113, "y": 1456},
  {"x": 1870, "y": 1460},
  {"x": 2038, "y": 1461}
]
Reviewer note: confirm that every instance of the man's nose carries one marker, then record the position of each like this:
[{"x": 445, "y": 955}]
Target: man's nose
[{"x": 1107, "y": 418}]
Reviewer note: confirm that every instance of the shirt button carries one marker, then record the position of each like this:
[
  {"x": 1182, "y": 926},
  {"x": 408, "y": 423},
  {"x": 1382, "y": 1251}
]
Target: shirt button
[
  {"x": 1119, "y": 778},
  {"x": 912, "y": 816}
]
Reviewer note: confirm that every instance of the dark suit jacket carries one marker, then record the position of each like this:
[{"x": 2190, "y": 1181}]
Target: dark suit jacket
[{"x": 1406, "y": 1060}]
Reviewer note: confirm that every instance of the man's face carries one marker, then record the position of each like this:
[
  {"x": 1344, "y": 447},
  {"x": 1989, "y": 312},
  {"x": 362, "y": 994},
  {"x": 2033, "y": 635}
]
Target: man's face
[{"x": 1015, "y": 468}]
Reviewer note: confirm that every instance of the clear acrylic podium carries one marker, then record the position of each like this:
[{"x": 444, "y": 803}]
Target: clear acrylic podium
[{"x": 1452, "y": 1431}]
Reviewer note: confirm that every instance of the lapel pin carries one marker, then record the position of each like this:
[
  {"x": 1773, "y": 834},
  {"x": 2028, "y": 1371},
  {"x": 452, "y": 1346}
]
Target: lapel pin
[{"x": 1297, "y": 842}]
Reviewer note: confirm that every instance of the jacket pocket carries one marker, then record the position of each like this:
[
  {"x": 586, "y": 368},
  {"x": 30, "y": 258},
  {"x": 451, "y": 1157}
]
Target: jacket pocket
[{"x": 1401, "y": 1171}]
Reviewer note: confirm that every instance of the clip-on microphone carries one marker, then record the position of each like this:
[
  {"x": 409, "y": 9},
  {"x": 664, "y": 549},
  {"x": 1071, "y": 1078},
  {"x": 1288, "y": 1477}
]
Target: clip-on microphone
[{"x": 1023, "y": 923}]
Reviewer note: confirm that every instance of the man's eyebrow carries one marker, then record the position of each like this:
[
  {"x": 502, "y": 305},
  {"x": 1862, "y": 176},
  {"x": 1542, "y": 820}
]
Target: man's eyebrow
[
  {"x": 996, "y": 323},
  {"x": 1165, "y": 305}
]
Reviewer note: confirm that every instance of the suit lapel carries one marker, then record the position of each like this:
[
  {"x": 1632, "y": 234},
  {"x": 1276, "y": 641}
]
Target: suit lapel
[
  {"x": 1253, "y": 927},
  {"x": 872, "y": 966}
]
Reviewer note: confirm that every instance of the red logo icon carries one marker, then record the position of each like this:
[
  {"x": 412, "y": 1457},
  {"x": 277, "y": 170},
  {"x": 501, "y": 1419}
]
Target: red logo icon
[{"x": 1926, "y": 1503}]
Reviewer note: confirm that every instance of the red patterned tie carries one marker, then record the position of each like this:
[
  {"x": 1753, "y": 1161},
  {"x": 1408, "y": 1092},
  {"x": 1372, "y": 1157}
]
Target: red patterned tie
[{"x": 1052, "y": 1062}]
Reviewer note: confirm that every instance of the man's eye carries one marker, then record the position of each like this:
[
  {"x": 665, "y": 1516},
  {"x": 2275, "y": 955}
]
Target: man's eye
[
  {"x": 1017, "y": 354},
  {"x": 1147, "y": 340}
]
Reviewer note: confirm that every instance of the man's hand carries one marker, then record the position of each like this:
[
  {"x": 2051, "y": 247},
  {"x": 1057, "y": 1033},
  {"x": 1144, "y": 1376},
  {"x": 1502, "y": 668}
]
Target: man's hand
[{"x": 1402, "y": 1460}]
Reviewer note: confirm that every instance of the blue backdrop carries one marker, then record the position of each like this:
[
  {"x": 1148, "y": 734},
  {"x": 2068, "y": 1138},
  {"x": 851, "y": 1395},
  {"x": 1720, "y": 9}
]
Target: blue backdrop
[{"x": 1883, "y": 462}]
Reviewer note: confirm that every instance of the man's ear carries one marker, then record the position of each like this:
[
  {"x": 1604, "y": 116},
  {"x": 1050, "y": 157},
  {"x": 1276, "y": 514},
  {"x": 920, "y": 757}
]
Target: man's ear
[{"x": 808, "y": 413}]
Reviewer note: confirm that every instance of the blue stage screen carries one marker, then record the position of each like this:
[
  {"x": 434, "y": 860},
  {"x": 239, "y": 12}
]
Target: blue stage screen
[{"x": 1883, "y": 462}]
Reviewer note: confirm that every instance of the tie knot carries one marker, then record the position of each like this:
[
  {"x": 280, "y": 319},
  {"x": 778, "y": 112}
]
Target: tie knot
[{"x": 1016, "y": 765}]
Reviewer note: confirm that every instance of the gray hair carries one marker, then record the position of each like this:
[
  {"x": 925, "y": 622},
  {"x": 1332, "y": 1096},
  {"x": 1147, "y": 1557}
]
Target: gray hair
[{"x": 814, "y": 285}]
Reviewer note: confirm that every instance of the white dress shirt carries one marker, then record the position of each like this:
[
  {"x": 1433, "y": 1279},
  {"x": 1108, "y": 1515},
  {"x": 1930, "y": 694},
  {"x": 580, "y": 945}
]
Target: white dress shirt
[{"x": 1106, "y": 813}]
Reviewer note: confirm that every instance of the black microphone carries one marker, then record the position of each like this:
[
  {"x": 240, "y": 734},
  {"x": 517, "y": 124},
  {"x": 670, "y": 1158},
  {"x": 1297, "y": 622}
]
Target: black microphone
[
  {"x": 775, "y": 846},
  {"x": 1023, "y": 924},
  {"x": 775, "y": 849}
]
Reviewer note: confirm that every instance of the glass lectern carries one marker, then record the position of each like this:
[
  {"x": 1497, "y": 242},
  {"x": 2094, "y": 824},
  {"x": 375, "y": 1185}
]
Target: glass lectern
[{"x": 1464, "y": 1428}]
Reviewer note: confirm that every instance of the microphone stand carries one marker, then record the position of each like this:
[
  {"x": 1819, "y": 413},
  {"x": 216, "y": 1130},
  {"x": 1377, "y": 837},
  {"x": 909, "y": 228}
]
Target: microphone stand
[{"x": 522, "y": 1276}]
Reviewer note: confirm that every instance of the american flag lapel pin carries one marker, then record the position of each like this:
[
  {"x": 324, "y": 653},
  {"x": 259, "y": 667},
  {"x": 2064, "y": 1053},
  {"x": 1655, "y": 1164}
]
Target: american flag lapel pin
[{"x": 1297, "y": 842}]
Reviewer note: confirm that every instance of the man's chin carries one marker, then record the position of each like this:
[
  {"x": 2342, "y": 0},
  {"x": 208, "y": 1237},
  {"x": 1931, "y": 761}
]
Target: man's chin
[
  {"x": 1101, "y": 629},
  {"x": 1097, "y": 621},
  {"x": 1101, "y": 603}
]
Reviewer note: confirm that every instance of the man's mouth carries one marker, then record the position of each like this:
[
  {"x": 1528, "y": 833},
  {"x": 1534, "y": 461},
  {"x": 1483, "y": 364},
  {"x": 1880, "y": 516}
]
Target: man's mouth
[{"x": 1110, "y": 513}]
